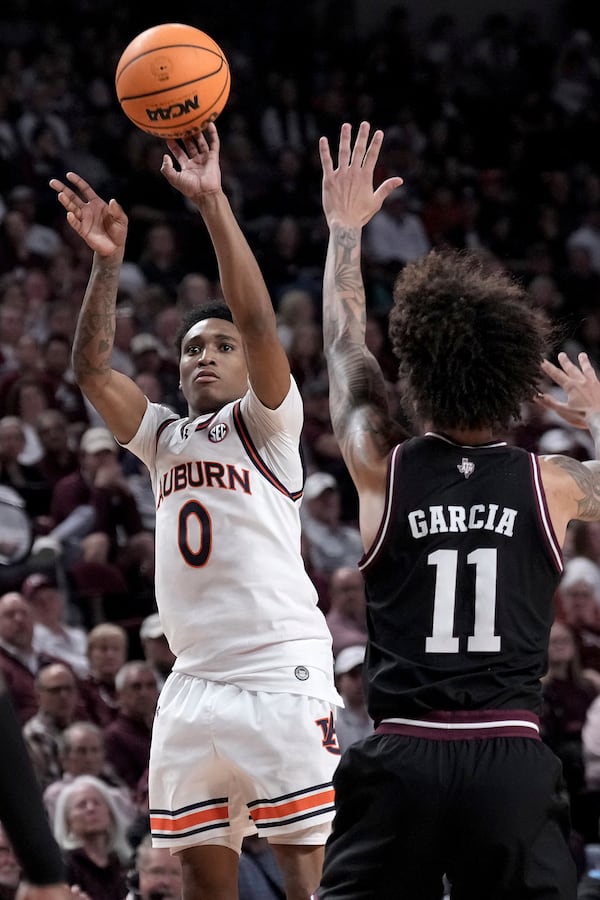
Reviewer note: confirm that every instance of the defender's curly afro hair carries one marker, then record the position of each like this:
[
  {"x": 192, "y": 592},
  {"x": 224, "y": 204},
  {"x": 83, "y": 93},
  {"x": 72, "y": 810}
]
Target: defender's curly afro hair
[{"x": 469, "y": 343}]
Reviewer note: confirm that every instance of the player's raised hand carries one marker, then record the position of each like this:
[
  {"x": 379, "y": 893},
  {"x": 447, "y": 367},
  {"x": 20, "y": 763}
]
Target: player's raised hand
[
  {"x": 102, "y": 225},
  {"x": 199, "y": 171},
  {"x": 581, "y": 386},
  {"x": 348, "y": 195}
]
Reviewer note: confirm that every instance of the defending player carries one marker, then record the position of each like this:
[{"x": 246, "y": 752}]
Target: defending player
[{"x": 462, "y": 537}]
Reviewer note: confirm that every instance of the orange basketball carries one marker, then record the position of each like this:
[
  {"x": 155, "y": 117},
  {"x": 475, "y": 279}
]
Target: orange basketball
[{"x": 172, "y": 80}]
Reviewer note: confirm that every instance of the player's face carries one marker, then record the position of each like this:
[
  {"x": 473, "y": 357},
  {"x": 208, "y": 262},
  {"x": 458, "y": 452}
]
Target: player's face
[{"x": 212, "y": 366}]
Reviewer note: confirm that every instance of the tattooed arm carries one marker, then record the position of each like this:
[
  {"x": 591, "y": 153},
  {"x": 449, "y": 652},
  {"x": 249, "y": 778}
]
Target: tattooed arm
[
  {"x": 103, "y": 226},
  {"x": 358, "y": 402},
  {"x": 573, "y": 487}
]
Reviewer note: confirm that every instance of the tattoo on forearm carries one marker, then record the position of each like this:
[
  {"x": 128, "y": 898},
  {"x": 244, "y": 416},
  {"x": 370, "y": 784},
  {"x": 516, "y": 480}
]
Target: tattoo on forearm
[
  {"x": 94, "y": 336},
  {"x": 355, "y": 377},
  {"x": 587, "y": 479}
]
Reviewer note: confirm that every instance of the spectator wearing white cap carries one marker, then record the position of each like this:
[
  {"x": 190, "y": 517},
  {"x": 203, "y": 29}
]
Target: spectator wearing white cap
[
  {"x": 331, "y": 543},
  {"x": 353, "y": 721},
  {"x": 156, "y": 648}
]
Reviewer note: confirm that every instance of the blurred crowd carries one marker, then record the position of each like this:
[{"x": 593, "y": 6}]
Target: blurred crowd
[{"x": 497, "y": 137}]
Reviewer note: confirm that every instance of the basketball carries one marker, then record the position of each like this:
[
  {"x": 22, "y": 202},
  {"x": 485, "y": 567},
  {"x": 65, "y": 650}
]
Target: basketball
[{"x": 172, "y": 80}]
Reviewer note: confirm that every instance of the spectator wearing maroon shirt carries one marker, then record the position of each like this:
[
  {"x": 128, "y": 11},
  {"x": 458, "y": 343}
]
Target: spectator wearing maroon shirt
[
  {"x": 100, "y": 484},
  {"x": 59, "y": 458},
  {"x": 128, "y": 735},
  {"x": 19, "y": 661},
  {"x": 107, "y": 652}
]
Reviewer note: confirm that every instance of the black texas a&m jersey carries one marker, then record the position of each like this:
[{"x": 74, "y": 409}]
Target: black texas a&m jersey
[{"x": 460, "y": 581}]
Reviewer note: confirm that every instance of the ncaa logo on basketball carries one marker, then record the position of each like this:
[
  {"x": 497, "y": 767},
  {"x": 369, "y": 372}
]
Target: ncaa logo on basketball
[{"x": 218, "y": 433}]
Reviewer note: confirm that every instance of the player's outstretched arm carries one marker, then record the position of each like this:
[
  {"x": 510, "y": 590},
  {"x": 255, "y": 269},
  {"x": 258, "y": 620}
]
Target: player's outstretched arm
[
  {"x": 358, "y": 400},
  {"x": 582, "y": 410},
  {"x": 103, "y": 226},
  {"x": 194, "y": 170},
  {"x": 582, "y": 389}
]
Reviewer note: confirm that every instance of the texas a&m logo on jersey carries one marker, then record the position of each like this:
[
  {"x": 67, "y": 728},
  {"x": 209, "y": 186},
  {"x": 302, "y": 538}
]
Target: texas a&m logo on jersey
[
  {"x": 218, "y": 432},
  {"x": 466, "y": 467}
]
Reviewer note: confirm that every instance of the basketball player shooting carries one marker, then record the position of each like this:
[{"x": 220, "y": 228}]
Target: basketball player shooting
[{"x": 254, "y": 670}]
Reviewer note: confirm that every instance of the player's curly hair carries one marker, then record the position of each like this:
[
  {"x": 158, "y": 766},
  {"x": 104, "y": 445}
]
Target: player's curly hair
[
  {"x": 212, "y": 309},
  {"x": 468, "y": 342}
]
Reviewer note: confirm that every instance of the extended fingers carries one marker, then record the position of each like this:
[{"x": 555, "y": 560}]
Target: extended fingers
[
  {"x": 82, "y": 185},
  {"x": 344, "y": 148},
  {"x": 360, "y": 145},
  {"x": 325, "y": 154}
]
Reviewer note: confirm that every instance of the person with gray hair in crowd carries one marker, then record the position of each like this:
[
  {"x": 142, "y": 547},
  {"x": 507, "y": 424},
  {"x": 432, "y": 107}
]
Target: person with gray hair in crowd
[
  {"x": 578, "y": 603},
  {"x": 91, "y": 833}
]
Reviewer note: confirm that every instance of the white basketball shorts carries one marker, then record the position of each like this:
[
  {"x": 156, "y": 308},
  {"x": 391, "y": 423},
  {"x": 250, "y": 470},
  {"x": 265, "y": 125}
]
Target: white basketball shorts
[{"x": 227, "y": 762}]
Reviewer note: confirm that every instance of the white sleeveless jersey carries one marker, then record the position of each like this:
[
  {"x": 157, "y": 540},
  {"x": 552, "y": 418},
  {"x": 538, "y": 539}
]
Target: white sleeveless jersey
[{"x": 233, "y": 595}]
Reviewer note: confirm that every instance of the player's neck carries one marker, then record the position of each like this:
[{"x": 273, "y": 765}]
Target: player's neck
[{"x": 470, "y": 436}]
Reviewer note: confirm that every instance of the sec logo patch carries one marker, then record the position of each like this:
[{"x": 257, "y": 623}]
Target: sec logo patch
[{"x": 218, "y": 433}]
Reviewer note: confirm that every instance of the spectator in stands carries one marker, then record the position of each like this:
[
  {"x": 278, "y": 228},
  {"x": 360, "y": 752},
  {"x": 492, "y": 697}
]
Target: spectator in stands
[
  {"x": 587, "y": 236},
  {"x": 107, "y": 648},
  {"x": 25, "y": 399},
  {"x": 395, "y": 235},
  {"x": 10, "y": 868},
  {"x": 567, "y": 694},
  {"x": 101, "y": 484},
  {"x": 88, "y": 827},
  {"x": 58, "y": 456},
  {"x": 41, "y": 241},
  {"x": 578, "y": 598},
  {"x": 352, "y": 721},
  {"x": 19, "y": 661},
  {"x": 161, "y": 260},
  {"x": 58, "y": 698},
  {"x": 97, "y": 518},
  {"x": 193, "y": 290},
  {"x": 128, "y": 735},
  {"x": 331, "y": 543},
  {"x": 320, "y": 445},
  {"x": 149, "y": 358},
  {"x": 52, "y": 635},
  {"x": 156, "y": 648},
  {"x": 346, "y": 617},
  {"x": 66, "y": 394},
  {"x": 82, "y": 751},
  {"x": 156, "y": 873},
  {"x": 286, "y": 119},
  {"x": 12, "y": 323},
  {"x": 26, "y": 480}
]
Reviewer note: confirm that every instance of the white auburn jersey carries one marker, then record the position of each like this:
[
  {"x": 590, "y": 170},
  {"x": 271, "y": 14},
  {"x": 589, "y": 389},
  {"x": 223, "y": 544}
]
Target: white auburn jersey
[{"x": 234, "y": 598}]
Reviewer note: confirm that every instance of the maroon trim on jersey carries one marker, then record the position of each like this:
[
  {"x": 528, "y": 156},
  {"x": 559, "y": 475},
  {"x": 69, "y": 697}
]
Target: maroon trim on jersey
[
  {"x": 244, "y": 436},
  {"x": 203, "y": 425},
  {"x": 390, "y": 494},
  {"x": 161, "y": 428},
  {"x": 466, "y": 725},
  {"x": 544, "y": 514}
]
